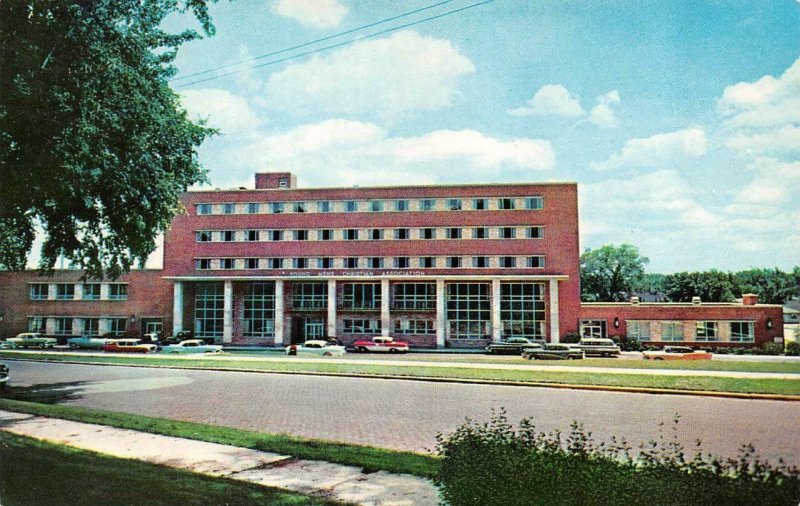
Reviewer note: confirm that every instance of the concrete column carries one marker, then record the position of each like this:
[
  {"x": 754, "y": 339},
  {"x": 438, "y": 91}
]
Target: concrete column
[
  {"x": 51, "y": 291},
  {"x": 102, "y": 326},
  {"x": 279, "y": 310},
  {"x": 385, "y": 317},
  {"x": 554, "y": 330},
  {"x": 227, "y": 314},
  {"x": 331, "y": 308},
  {"x": 441, "y": 314},
  {"x": 78, "y": 291},
  {"x": 104, "y": 291},
  {"x": 77, "y": 326},
  {"x": 497, "y": 327},
  {"x": 50, "y": 326},
  {"x": 177, "y": 307}
]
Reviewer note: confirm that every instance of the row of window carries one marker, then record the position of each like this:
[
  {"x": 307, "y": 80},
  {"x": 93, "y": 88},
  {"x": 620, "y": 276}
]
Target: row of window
[
  {"x": 374, "y": 206},
  {"x": 80, "y": 291},
  {"x": 370, "y": 234},
  {"x": 675, "y": 331},
  {"x": 69, "y": 325},
  {"x": 450, "y": 262}
]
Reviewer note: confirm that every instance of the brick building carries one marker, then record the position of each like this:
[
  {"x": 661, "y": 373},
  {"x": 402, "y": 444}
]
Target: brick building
[{"x": 439, "y": 266}]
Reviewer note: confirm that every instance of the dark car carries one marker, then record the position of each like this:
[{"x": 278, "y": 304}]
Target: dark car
[
  {"x": 511, "y": 346},
  {"x": 553, "y": 352},
  {"x": 3, "y": 376}
]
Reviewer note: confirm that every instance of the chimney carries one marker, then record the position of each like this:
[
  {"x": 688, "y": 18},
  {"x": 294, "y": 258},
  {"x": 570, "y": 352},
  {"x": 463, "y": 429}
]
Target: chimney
[
  {"x": 696, "y": 300},
  {"x": 749, "y": 299},
  {"x": 275, "y": 180}
]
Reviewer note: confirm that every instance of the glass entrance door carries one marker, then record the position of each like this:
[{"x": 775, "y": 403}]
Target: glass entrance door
[{"x": 314, "y": 328}]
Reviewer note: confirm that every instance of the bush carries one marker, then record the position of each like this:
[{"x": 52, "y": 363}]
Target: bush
[
  {"x": 571, "y": 338},
  {"x": 496, "y": 464},
  {"x": 793, "y": 348},
  {"x": 770, "y": 349}
]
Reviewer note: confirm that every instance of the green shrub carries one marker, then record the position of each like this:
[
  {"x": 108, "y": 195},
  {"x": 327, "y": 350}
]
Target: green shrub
[
  {"x": 793, "y": 348},
  {"x": 771, "y": 349},
  {"x": 496, "y": 464},
  {"x": 571, "y": 338}
]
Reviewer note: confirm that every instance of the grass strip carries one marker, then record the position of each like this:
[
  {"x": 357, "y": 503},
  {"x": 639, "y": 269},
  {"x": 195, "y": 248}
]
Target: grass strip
[
  {"x": 41, "y": 473},
  {"x": 366, "y": 457},
  {"x": 690, "y": 383}
]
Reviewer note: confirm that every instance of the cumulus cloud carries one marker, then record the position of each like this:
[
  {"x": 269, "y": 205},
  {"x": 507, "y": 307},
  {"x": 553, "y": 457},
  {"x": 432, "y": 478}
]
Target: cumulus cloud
[
  {"x": 403, "y": 72},
  {"x": 657, "y": 150},
  {"x": 603, "y": 114},
  {"x": 774, "y": 183},
  {"x": 754, "y": 103},
  {"x": 551, "y": 100},
  {"x": 222, "y": 109},
  {"x": 319, "y": 14},
  {"x": 781, "y": 140}
]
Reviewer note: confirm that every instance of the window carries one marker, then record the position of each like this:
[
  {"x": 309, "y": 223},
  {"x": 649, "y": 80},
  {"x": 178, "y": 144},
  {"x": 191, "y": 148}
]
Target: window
[
  {"x": 376, "y": 206},
  {"x": 275, "y": 263},
  {"x": 401, "y": 263},
  {"x": 508, "y": 262},
  {"x": 300, "y": 263},
  {"x": 351, "y": 263},
  {"x": 299, "y": 207},
  {"x": 508, "y": 232},
  {"x": 706, "y": 331},
  {"x": 277, "y": 207},
  {"x": 39, "y": 291},
  {"x": 454, "y": 262},
  {"x": 427, "y": 262},
  {"x": 350, "y": 206},
  {"x": 361, "y": 326},
  {"x": 202, "y": 264},
  {"x": 505, "y": 203},
  {"x": 325, "y": 234},
  {"x": 412, "y": 327},
  {"x": 275, "y": 235},
  {"x": 742, "y": 332},
  {"x": 638, "y": 330},
  {"x": 480, "y": 204},
  {"x": 227, "y": 263},
  {"x": 468, "y": 310},
  {"x": 427, "y": 233},
  {"x": 91, "y": 291},
  {"x": 402, "y": 233},
  {"x": 376, "y": 234},
  {"x": 534, "y": 203},
  {"x": 259, "y": 310},
  {"x": 401, "y": 205},
  {"x": 251, "y": 235},
  {"x": 253, "y": 208},
  {"x": 309, "y": 295},
  {"x": 480, "y": 233},
  {"x": 480, "y": 262},
  {"x": 414, "y": 296},
  {"x": 202, "y": 236},
  {"x": 323, "y": 206},
  {"x": 671, "y": 331},
  {"x": 117, "y": 325},
  {"x": 251, "y": 263},
  {"x": 203, "y": 209},
  {"x": 535, "y": 262},
  {"x": 593, "y": 328},
  {"x": 351, "y": 234},
  {"x": 228, "y": 235},
  {"x": 63, "y": 326},
  {"x": 454, "y": 233},
  {"x": 534, "y": 232},
  {"x": 118, "y": 291},
  {"x": 522, "y": 310},
  {"x": 301, "y": 235},
  {"x": 453, "y": 204},
  {"x": 209, "y": 309},
  {"x": 283, "y": 183},
  {"x": 37, "y": 324},
  {"x": 228, "y": 208},
  {"x": 361, "y": 295},
  {"x": 375, "y": 263},
  {"x": 91, "y": 326},
  {"x": 65, "y": 291},
  {"x": 427, "y": 205},
  {"x": 325, "y": 263}
]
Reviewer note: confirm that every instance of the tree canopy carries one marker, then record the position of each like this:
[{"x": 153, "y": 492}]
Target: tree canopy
[
  {"x": 710, "y": 286},
  {"x": 94, "y": 145},
  {"x": 610, "y": 273}
]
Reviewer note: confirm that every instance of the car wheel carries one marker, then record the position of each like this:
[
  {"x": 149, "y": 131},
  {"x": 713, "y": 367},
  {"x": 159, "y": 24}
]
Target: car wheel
[
  {"x": 658, "y": 358},
  {"x": 327, "y": 354},
  {"x": 73, "y": 346},
  {"x": 392, "y": 350},
  {"x": 362, "y": 349},
  {"x": 42, "y": 346}
]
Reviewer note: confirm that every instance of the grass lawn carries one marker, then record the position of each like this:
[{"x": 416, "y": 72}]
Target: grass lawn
[
  {"x": 366, "y": 457},
  {"x": 735, "y": 385},
  {"x": 35, "y": 472}
]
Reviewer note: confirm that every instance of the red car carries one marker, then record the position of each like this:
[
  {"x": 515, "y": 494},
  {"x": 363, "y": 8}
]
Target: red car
[
  {"x": 677, "y": 353},
  {"x": 129, "y": 346},
  {"x": 381, "y": 344}
]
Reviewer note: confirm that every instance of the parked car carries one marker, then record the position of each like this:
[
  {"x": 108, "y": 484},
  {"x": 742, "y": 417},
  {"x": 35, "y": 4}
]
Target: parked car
[
  {"x": 385, "y": 344},
  {"x": 192, "y": 346},
  {"x": 3, "y": 376},
  {"x": 32, "y": 340},
  {"x": 315, "y": 347},
  {"x": 598, "y": 347},
  {"x": 129, "y": 346},
  {"x": 512, "y": 345},
  {"x": 86, "y": 342},
  {"x": 553, "y": 352},
  {"x": 677, "y": 353}
]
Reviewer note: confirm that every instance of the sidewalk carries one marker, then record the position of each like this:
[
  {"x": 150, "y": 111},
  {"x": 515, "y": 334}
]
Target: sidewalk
[{"x": 314, "y": 478}]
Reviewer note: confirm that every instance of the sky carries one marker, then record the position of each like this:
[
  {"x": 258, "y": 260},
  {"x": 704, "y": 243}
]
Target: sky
[{"x": 679, "y": 120}]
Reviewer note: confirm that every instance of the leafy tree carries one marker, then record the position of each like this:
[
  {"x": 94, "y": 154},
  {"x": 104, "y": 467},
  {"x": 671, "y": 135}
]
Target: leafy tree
[
  {"x": 772, "y": 286},
  {"x": 610, "y": 272},
  {"x": 651, "y": 282},
  {"x": 94, "y": 146},
  {"x": 710, "y": 286}
]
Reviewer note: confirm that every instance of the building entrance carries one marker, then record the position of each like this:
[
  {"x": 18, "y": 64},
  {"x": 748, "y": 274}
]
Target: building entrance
[{"x": 306, "y": 328}]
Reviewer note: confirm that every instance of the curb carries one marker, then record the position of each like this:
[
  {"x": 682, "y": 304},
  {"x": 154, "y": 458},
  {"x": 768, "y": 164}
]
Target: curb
[{"x": 465, "y": 381}]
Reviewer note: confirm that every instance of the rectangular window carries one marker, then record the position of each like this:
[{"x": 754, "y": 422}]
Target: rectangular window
[
  {"x": 91, "y": 291},
  {"x": 117, "y": 325},
  {"x": 454, "y": 233},
  {"x": 351, "y": 263},
  {"x": 505, "y": 204},
  {"x": 480, "y": 204},
  {"x": 350, "y": 206},
  {"x": 376, "y": 234},
  {"x": 534, "y": 203},
  {"x": 535, "y": 262},
  {"x": 203, "y": 209},
  {"x": 522, "y": 310},
  {"x": 361, "y": 295},
  {"x": 742, "y": 332},
  {"x": 300, "y": 263},
  {"x": 427, "y": 262},
  {"x": 401, "y": 205},
  {"x": 251, "y": 263},
  {"x": 402, "y": 263},
  {"x": 65, "y": 291},
  {"x": 480, "y": 262},
  {"x": 454, "y": 262},
  {"x": 275, "y": 263},
  {"x": 375, "y": 263},
  {"x": 202, "y": 264},
  {"x": 706, "y": 331},
  {"x": 325, "y": 234},
  {"x": 323, "y": 206},
  {"x": 209, "y": 310},
  {"x": 301, "y": 235},
  {"x": 638, "y": 330},
  {"x": 402, "y": 233},
  {"x": 202, "y": 236},
  {"x": 414, "y": 296},
  {"x": 427, "y": 205},
  {"x": 118, "y": 291},
  {"x": 508, "y": 262},
  {"x": 228, "y": 208},
  {"x": 39, "y": 291},
  {"x": 351, "y": 234},
  {"x": 508, "y": 232},
  {"x": 277, "y": 207},
  {"x": 227, "y": 263},
  {"x": 376, "y": 206},
  {"x": 228, "y": 235},
  {"x": 454, "y": 204},
  {"x": 671, "y": 331},
  {"x": 427, "y": 233},
  {"x": 299, "y": 207},
  {"x": 468, "y": 310},
  {"x": 37, "y": 324},
  {"x": 534, "y": 232},
  {"x": 251, "y": 235},
  {"x": 275, "y": 235},
  {"x": 253, "y": 208},
  {"x": 91, "y": 326},
  {"x": 63, "y": 326},
  {"x": 361, "y": 326},
  {"x": 593, "y": 329},
  {"x": 325, "y": 263},
  {"x": 259, "y": 310},
  {"x": 408, "y": 326},
  {"x": 480, "y": 233}
]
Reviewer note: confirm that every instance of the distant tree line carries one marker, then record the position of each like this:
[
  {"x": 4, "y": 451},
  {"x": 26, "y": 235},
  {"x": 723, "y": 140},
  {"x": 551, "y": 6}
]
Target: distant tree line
[{"x": 613, "y": 273}]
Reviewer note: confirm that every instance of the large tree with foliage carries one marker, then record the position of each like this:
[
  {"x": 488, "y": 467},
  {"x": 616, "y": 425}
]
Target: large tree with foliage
[
  {"x": 94, "y": 146},
  {"x": 609, "y": 273},
  {"x": 772, "y": 286},
  {"x": 710, "y": 286}
]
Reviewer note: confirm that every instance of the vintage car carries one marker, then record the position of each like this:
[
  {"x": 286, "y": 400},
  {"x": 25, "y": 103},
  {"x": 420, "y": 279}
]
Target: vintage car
[
  {"x": 512, "y": 345},
  {"x": 192, "y": 346},
  {"x": 31, "y": 340},
  {"x": 598, "y": 347},
  {"x": 86, "y": 342},
  {"x": 385, "y": 344},
  {"x": 129, "y": 346},
  {"x": 315, "y": 347},
  {"x": 3, "y": 376},
  {"x": 677, "y": 353},
  {"x": 553, "y": 352}
]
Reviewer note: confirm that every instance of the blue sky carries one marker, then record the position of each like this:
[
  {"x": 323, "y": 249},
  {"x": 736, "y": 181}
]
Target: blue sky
[{"x": 679, "y": 120}]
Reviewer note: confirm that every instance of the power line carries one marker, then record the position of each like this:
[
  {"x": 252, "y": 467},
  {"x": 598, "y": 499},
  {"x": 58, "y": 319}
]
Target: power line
[
  {"x": 340, "y": 44},
  {"x": 317, "y": 41}
]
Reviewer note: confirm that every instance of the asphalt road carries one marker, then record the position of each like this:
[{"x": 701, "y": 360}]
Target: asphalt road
[{"x": 408, "y": 414}]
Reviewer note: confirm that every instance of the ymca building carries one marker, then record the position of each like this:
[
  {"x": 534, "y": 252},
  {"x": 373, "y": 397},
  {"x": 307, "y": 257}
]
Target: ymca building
[{"x": 439, "y": 266}]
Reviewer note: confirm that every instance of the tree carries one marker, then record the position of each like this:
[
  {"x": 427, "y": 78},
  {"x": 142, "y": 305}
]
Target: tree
[
  {"x": 772, "y": 286},
  {"x": 651, "y": 282},
  {"x": 710, "y": 286},
  {"x": 94, "y": 146},
  {"x": 610, "y": 272}
]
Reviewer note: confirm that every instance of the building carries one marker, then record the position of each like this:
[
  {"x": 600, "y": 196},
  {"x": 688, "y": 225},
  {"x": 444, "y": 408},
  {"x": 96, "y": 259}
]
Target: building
[{"x": 440, "y": 266}]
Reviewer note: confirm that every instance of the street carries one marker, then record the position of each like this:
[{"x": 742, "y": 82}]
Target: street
[{"x": 408, "y": 414}]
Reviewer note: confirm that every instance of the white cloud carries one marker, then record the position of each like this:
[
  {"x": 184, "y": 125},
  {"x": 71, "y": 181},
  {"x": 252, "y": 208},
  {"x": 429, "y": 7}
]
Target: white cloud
[
  {"x": 603, "y": 114},
  {"x": 766, "y": 102},
  {"x": 228, "y": 112},
  {"x": 657, "y": 150},
  {"x": 774, "y": 184},
  {"x": 319, "y": 14},
  {"x": 551, "y": 100},
  {"x": 403, "y": 72},
  {"x": 784, "y": 139}
]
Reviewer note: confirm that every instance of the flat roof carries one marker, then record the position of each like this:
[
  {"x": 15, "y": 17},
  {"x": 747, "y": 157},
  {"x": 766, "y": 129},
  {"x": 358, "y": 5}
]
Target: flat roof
[{"x": 383, "y": 187}]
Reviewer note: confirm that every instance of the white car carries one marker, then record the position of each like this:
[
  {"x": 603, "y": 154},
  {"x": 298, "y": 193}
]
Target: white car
[
  {"x": 192, "y": 346},
  {"x": 315, "y": 347}
]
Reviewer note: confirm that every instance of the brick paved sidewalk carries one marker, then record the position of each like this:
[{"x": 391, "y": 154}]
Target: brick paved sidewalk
[{"x": 314, "y": 478}]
